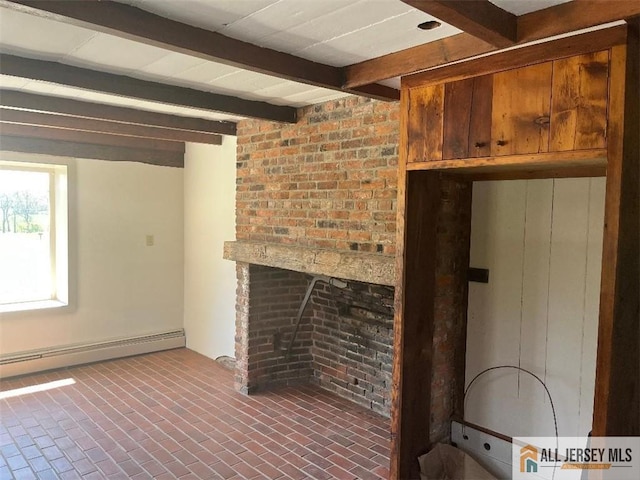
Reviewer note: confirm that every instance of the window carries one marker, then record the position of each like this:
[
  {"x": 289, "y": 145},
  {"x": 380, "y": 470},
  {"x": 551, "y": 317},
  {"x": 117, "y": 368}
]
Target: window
[{"x": 33, "y": 236}]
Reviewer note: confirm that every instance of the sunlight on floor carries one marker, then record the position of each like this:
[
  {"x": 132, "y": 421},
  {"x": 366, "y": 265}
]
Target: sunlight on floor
[{"x": 36, "y": 388}]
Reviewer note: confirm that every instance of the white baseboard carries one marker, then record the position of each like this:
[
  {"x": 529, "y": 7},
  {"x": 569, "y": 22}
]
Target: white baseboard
[{"x": 60, "y": 357}]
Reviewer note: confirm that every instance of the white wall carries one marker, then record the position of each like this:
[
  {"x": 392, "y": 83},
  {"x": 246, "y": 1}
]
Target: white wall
[
  {"x": 210, "y": 281},
  {"x": 542, "y": 242},
  {"x": 119, "y": 286}
]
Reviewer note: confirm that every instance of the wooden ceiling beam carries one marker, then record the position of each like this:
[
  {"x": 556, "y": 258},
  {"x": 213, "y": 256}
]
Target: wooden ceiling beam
[
  {"x": 479, "y": 18},
  {"x": 65, "y": 148},
  {"x": 557, "y": 20},
  {"x": 50, "y": 133},
  {"x": 77, "y": 108},
  {"x": 376, "y": 91},
  {"x": 132, "y": 23},
  {"x": 121, "y": 85},
  {"x": 572, "y": 16},
  {"x": 39, "y": 119},
  {"x": 529, "y": 55},
  {"x": 415, "y": 59}
]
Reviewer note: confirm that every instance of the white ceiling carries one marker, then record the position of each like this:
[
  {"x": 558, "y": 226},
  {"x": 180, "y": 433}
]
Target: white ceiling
[{"x": 334, "y": 32}]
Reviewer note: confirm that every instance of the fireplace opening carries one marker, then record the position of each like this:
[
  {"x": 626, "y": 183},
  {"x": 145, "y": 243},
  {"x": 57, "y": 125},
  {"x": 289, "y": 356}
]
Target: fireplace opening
[
  {"x": 334, "y": 282},
  {"x": 352, "y": 349},
  {"x": 298, "y": 328}
]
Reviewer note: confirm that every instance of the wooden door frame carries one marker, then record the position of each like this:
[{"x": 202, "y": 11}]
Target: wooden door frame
[{"x": 617, "y": 385}]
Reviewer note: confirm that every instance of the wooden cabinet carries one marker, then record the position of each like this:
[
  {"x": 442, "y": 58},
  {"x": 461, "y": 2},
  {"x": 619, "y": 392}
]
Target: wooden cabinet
[
  {"x": 521, "y": 109},
  {"x": 579, "y": 102},
  {"x": 555, "y": 106},
  {"x": 468, "y": 105}
]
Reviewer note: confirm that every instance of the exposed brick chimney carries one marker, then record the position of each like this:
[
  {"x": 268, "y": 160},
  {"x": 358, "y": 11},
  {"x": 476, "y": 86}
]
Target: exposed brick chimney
[{"x": 328, "y": 181}]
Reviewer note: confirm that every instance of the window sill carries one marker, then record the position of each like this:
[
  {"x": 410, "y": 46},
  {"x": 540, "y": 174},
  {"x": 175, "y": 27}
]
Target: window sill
[{"x": 27, "y": 306}]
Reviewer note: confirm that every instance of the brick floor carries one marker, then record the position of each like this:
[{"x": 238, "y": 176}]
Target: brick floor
[{"x": 175, "y": 414}]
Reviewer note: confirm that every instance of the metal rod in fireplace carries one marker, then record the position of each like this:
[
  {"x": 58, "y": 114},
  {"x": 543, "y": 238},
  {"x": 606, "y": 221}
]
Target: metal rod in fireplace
[{"x": 319, "y": 278}]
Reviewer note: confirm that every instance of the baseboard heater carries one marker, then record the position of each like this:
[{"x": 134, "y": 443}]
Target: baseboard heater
[
  {"x": 490, "y": 449},
  {"x": 67, "y": 356}
]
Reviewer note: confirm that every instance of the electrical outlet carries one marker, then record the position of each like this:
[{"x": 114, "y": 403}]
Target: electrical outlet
[{"x": 150, "y": 240}]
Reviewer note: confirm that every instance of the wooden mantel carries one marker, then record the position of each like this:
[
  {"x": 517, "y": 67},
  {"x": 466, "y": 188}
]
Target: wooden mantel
[{"x": 359, "y": 266}]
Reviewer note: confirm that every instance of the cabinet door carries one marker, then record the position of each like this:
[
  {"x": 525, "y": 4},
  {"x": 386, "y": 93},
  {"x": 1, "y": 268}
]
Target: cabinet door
[
  {"x": 467, "y": 118},
  {"x": 425, "y": 123},
  {"x": 521, "y": 107},
  {"x": 579, "y": 102}
]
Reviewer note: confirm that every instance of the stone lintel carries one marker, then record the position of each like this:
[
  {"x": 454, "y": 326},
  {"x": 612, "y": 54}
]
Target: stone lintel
[{"x": 359, "y": 266}]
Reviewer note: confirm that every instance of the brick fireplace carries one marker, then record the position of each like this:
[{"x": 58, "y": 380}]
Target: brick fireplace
[
  {"x": 343, "y": 339},
  {"x": 319, "y": 198},
  {"x": 318, "y": 194}
]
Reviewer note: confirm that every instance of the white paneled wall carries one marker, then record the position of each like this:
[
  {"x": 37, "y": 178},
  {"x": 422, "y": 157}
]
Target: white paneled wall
[{"x": 542, "y": 242}]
